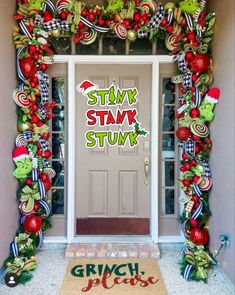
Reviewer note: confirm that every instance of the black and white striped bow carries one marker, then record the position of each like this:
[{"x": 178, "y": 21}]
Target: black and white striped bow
[{"x": 155, "y": 21}]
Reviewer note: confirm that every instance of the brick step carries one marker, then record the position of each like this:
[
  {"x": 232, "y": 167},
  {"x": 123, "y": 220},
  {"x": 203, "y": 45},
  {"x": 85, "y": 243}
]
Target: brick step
[{"x": 112, "y": 250}]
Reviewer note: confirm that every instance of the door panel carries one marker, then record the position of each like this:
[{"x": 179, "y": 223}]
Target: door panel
[{"x": 110, "y": 181}]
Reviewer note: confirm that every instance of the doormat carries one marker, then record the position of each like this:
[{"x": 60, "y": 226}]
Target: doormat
[{"x": 113, "y": 277}]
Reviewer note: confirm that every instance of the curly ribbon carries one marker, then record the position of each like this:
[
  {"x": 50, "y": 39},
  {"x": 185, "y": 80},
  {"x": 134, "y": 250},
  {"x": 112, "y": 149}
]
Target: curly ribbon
[
  {"x": 172, "y": 42},
  {"x": 40, "y": 162},
  {"x": 202, "y": 48},
  {"x": 178, "y": 15},
  {"x": 19, "y": 265},
  {"x": 20, "y": 40},
  {"x": 205, "y": 79},
  {"x": 30, "y": 196}
]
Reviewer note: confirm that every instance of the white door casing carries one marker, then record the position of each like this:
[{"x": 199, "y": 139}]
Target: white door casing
[{"x": 71, "y": 61}]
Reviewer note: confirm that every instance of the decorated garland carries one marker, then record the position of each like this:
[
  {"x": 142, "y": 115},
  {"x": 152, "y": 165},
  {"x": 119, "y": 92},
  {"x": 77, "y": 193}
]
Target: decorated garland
[{"x": 187, "y": 31}]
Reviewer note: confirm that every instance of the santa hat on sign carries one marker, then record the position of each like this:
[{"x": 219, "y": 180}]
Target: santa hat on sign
[
  {"x": 86, "y": 86},
  {"x": 213, "y": 95},
  {"x": 19, "y": 153}
]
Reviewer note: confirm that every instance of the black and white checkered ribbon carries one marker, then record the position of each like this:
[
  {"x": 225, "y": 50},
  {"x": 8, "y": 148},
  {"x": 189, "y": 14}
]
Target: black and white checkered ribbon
[
  {"x": 42, "y": 111},
  {"x": 38, "y": 20},
  {"x": 44, "y": 144},
  {"x": 28, "y": 135},
  {"x": 44, "y": 85},
  {"x": 188, "y": 147},
  {"x": 185, "y": 78},
  {"x": 179, "y": 59},
  {"x": 142, "y": 34},
  {"x": 206, "y": 168},
  {"x": 155, "y": 21},
  {"x": 51, "y": 25},
  {"x": 65, "y": 26},
  {"x": 46, "y": 163}
]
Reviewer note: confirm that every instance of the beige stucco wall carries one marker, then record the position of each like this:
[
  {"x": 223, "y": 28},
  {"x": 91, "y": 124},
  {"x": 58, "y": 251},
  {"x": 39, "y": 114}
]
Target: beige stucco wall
[
  {"x": 8, "y": 204},
  {"x": 222, "y": 134}
]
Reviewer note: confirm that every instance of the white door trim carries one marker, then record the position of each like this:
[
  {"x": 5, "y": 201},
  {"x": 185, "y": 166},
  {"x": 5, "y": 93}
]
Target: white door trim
[{"x": 102, "y": 59}]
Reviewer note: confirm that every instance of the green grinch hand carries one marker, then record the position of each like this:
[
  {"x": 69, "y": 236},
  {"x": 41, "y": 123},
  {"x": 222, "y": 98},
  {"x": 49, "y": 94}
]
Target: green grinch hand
[
  {"x": 23, "y": 163},
  {"x": 115, "y": 5},
  {"x": 207, "y": 107},
  {"x": 35, "y": 4},
  {"x": 189, "y": 6}
]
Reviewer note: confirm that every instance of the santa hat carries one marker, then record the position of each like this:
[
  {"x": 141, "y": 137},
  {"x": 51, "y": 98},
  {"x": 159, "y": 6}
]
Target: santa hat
[
  {"x": 86, "y": 86},
  {"x": 213, "y": 95},
  {"x": 19, "y": 153}
]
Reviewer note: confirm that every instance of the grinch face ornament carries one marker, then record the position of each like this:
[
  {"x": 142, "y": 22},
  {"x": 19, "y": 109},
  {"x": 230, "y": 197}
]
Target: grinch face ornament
[
  {"x": 189, "y": 6},
  {"x": 207, "y": 107},
  {"x": 22, "y": 161}
]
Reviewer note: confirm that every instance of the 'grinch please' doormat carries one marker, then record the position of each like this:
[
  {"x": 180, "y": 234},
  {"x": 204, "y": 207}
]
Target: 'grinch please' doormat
[{"x": 113, "y": 277}]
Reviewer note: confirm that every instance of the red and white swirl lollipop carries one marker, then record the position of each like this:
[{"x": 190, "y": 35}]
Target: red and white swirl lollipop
[
  {"x": 89, "y": 37},
  {"x": 20, "y": 140},
  {"x": 199, "y": 129},
  {"x": 148, "y": 5},
  {"x": 120, "y": 31},
  {"x": 206, "y": 183},
  {"x": 21, "y": 98}
]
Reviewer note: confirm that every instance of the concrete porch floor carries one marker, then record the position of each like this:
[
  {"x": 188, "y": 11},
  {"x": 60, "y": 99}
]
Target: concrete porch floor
[{"x": 52, "y": 266}]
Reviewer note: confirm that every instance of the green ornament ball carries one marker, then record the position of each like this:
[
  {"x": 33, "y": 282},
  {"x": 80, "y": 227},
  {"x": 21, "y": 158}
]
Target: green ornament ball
[
  {"x": 131, "y": 35},
  {"x": 23, "y": 126}
]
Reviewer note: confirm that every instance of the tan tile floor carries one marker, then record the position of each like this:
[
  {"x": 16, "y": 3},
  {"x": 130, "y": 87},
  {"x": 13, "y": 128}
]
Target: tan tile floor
[{"x": 52, "y": 266}]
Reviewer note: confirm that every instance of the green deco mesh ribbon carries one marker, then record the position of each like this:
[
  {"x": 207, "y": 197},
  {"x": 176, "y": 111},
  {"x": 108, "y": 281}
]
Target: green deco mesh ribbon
[{"x": 24, "y": 243}]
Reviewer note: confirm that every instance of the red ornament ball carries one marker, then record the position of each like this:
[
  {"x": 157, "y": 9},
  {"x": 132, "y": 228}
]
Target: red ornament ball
[
  {"x": 91, "y": 16},
  {"x": 199, "y": 236},
  {"x": 194, "y": 113},
  {"x": 36, "y": 207},
  {"x": 186, "y": 182},
  {"x": 44, "y": 177},
  {"x": 29, "y": 181},
  {"x": 28, "y": 67},
  {"x": 184, "y": 156},
  {"x": 169, "y": 29},
  {"x": 32, "y": 224},
  {"x": 183, "y": 133},
  {"x": 137, "y": 16},
  {"x": 193, "y": 222},
  {"x": 47, "y": 185},
  {"x": 47, "y": 154},
  {"x": 200, "y": 63},
  {"x": 191, "y": 36},
  {"x": 100, "y": 21}
]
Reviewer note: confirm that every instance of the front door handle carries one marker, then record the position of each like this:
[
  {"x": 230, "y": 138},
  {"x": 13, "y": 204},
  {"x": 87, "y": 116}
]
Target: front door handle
[{"x": 146, "y": 170}]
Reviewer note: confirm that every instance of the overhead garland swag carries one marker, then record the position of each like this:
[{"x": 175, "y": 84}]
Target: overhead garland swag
[{"x": 187, "y": 30}]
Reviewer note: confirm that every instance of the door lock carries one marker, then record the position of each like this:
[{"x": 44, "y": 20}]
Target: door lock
[{"x": 146, "y": 170}]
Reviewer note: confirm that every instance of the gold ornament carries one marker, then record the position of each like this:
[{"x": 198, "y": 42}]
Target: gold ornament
[
  {"x": 131, "y": 35},
  {"x": 23, "y": 126},
  {"x": 55, "y": 33}
]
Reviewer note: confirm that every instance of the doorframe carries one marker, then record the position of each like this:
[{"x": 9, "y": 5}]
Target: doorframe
[{"x": 154, "y": 61}]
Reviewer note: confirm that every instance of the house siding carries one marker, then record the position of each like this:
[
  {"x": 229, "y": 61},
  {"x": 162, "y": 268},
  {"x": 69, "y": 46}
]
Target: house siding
[
  {"x": 222, "y": 134},
  {"x": 8, "y": 206}
]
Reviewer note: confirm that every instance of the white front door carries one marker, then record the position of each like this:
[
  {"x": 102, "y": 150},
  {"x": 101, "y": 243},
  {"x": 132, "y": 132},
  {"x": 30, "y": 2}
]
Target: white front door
[{"x": 112, "y": 194}]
